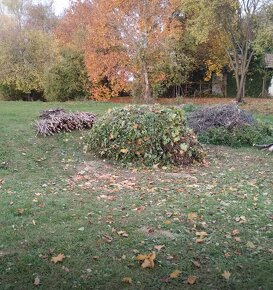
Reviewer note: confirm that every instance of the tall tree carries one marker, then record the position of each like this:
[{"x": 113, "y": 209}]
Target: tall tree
[
  {"x": 238, "y": 20},
  {"x": 26, "y": 51},
  {"x": 126, "y": 43}
]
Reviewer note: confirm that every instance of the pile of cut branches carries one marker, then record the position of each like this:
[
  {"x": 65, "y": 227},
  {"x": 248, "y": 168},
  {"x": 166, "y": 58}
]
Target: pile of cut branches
[
  {"x": 56, "y": 120},
  {"x": 227, "y": 116}
]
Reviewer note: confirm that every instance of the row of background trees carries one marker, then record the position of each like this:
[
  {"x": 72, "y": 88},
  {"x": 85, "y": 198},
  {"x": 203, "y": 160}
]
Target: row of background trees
[{"x": 106, "y": 48}]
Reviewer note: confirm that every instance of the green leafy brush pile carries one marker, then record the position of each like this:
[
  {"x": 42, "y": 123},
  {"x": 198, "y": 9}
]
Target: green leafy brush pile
[
  {"x": 145, "y": 135},
  {"x": 228, "y": 125},
  {"x": 246, "y": 135}
]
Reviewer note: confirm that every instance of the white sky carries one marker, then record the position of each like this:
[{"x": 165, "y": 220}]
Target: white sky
[{"x": 60, "y": 5}]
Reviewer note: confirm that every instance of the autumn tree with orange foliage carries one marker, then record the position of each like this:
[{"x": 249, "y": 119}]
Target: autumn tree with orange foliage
[{"x": 127, "y": 44}]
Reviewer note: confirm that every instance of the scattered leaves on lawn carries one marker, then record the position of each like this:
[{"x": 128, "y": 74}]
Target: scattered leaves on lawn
[
  {"x": 20, "y": 210},
  {"x": 235, "y": 232},
  {"x": 124, "y": 150},
  {"x": 200, "y": 237},
  {"x": 58, "y": 258},
  {"x": 241, "y": 219},
  {"x": 139, "y": 209},
  {"x": 107, "y": 197},
  {"x": 37, "y": 281},
  {"x": 122, "y": 234},
  {"x": 175, "y": 274},
  {"x": 127, "y": 280},
  {"x": 159, "y": 247},
  {"x": 107, "y": 239},
  {"x": 195, "y": 263},
  {"x": 147, "y": 260},
  {"x": 226, "y": 275},
  {"x": 192, "y": 216},
  {"x": 191, "y": 280},
  {"x": 250, "y": 245}
]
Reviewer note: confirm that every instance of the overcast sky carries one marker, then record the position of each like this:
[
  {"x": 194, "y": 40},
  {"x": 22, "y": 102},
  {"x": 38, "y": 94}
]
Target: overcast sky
[{"x": 60, "y": 5}]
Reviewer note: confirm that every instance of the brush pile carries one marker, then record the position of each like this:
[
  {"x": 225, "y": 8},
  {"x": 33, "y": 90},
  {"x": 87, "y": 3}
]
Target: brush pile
[
  {"x": 56, "y": 120},
  {"x": 225, "y": 116}
]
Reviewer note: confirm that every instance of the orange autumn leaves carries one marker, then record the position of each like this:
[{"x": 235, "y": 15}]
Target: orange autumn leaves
[{"x": 118, "y": 39}]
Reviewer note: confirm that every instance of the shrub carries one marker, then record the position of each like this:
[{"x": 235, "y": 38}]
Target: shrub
[
  {"x": 145, "y": 135},
  {"x": 239, "y": 136},
  {"x": 67, "y": 79}
]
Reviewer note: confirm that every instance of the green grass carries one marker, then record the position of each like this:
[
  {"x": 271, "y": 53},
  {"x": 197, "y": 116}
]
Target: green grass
[{"x": 62, "y": 190}]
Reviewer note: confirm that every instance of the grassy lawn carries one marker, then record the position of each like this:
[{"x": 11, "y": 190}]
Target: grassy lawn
[{"x": 214, "y": 222}]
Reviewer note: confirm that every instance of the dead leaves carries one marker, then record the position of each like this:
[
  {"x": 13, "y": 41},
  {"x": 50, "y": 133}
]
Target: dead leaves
[
  {"x": 175, "y": 274},
  {"x": 20, "y": 211},
  {"x": 250, "y": 245},
  {"x": 226, "y": 275},
  {"x": 192, "y": 216},
  {"x": 201, "y": 237},
  {"x": 191, "y": 280},
  {"x": 122, "y": 234},
  {"x": 147, "y": 260},
  {"x": 58, "y": 258},
  {"x": 241, "y": 219},
  {"x": 127, "y": 280},
  {"x": 159, "y": 247},
  {"x": 37, "y": 281}
]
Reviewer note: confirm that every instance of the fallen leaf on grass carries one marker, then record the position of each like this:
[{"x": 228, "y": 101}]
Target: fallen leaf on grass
[
  {"x": 199, "y": 241},
  {"x": 250, "y": 245},
  {"x": 167, "y": 222},
  {"x": 241, "y": 219},
  {"x": 124, "y": 150},
  {"x": 201, "y": 235},
  {"x": 127, "y": 280},
  {"x": 20, "y": 210},
  {"x": 148, "y": 260},
  {"x": 166, "y": 279},
  {"x": 65, "y": 269},
  {"x": 81, "y": 229},
  {"x": 107, "y": 239},
  {"x": 107, "y": 197},
  {"x": 139, "y": 209},
  {"x": 237, "y": 239},
  {"x": 197, "y": 264},
  {"x": 1, "y": 181},
  {"x": 37, "y": 281},
  {"x": 235, "y": 232},
  {"x": 226, "y": 275},
  {"x": 122, "y": 234},
  {"x": 175, "y": 274},
  {"x": 58, "y": 258},
  {"x": 159, "y": 247},
  {"x": 192, "y": 216},
  {"x": 191, "y": 280}
]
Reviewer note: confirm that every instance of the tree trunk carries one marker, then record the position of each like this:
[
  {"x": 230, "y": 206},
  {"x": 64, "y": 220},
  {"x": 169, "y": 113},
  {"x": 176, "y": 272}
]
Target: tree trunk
[
  {"x": 240, "y": 94},
  {"x": 146, "y": 88}
]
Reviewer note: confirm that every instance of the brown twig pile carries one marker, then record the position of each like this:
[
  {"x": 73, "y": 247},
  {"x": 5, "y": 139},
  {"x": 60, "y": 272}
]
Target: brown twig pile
[
  {"x": 228, "y": 116},
  {"x": 57, "y": 120}
]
